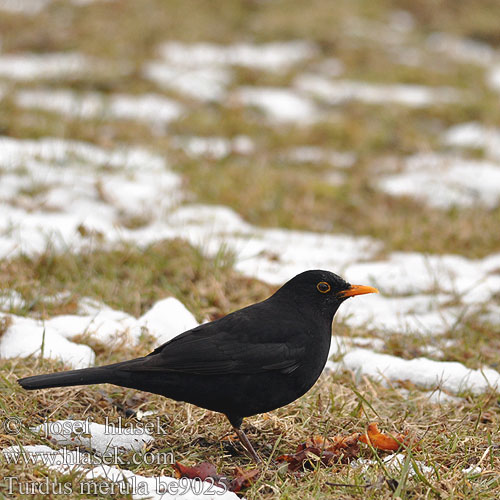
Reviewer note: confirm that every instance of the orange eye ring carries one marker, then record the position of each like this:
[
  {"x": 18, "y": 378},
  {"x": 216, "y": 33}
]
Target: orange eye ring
[{"x": 323, "y": 287}]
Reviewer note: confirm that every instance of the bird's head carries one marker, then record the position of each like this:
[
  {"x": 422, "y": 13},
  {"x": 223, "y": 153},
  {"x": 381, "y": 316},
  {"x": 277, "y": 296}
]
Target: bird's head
[{"x": 321, "y": 290}]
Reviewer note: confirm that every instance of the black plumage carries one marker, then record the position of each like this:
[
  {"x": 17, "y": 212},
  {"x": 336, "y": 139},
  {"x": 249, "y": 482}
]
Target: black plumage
[{"x": 253, "y": 360}]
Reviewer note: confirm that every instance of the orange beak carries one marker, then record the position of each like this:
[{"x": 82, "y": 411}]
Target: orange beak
[{"x": 357, "y": 290}]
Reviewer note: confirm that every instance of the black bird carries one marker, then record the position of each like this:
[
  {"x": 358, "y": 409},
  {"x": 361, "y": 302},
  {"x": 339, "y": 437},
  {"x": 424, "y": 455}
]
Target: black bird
[{"x": 251, "y": 361}]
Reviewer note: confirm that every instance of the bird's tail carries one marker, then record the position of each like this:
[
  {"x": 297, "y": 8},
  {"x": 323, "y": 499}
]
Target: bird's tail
[{"x": 85, "y": 376}]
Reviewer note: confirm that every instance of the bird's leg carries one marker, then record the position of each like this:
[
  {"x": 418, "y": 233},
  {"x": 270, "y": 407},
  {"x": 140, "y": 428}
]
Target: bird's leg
[
  {"x": 247, "y": 445},
  {"x": 236, "y": 422}
]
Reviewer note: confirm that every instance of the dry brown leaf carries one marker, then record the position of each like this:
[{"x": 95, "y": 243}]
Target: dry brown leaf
[
  {"x": 206, "y": 470},
  {"x": 338, "y": 448},
  {"x": 382, "y": 441},
  {"x": 200, "y": 471},
  {"x": 243, "y": 479}
]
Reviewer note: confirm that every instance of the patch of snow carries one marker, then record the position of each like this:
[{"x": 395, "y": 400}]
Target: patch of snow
[
  {"x": 214, "y": 147},
  {"x": 429, "y": 282},
  {"x": 315, "y": 154},
  {"x": 394, "y": 463},
  {"x": 282, "y": 105},
  {"x": 273, "y": 255},
  {"x": 417, "y": 314},
  {"x": 167, "y": 319},
  {"x": 453, "y": 377},
  {"x": 39, "y": 339},
  {"x": 205, "y": 84},
  {"x": 493, "y": 77},
  {"x": 432, "y": 351},
  {"x": 464, "y": 50},
  {"x": 339, "y": 91},
  {"x": 106, "y": 326},
  {"x": 412, "y": 273},
  {"x": 28, "y": 7},
  {"x": 93, "y": 436},
  {"x": 91, "y": 188},
  {"x": 474, "y": 135},
  {"x": 274, "y": 56},
  {"x": 11, "y": 300},
  {"x": 472, "y": 470},
  {"x": 150, "y": 108},
  {"x": 439, "y": 397},
  {"x": 31, "y": 66},
  {"x": 444, "y": 181},
  {"x": 86, "y": 187}
]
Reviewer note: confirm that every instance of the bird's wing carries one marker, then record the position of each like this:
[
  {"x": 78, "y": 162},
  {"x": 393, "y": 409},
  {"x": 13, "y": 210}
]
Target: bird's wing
[{"x": 227, "y": 347}]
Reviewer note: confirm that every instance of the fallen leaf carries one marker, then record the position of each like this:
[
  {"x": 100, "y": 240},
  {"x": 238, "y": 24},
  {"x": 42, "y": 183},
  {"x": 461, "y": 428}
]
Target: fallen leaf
[
  {"x": 382, "y": 441},
  {"x": 200, "y": 471},
  {"x": 206, "y": 470},
  {"x": 243, "y": 479},
  {"x": 328, "y": 451}
]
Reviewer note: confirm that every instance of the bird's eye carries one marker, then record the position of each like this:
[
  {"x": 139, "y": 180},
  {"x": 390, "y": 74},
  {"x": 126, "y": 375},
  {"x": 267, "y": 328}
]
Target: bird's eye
[{"x": 323, "y": 287}]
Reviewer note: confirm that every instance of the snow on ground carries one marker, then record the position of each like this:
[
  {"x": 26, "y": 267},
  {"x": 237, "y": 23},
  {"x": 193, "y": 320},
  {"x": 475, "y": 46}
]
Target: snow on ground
[
  {"x": 86, "y": 191},
  {"x": 445, "y": 181},
  {"x": 450, "y": 376},
  {"x": 417, "y": 314},
  {"x": 474, "y": 135},
  {"x": 52, "y": 338},
  {"x": 280, "y": 104},
  {"x": 275, "y": 56},
  {"x": 125, "y": 481},
  {"x": 440, "y": 397},
  {"x": 31, "y": 66},
  {"x": 465, "y": 50},
  {"x": 203, "y": 70},
  {"x": 273, "y": 255},
  {"x": 493, "y": 78},
  {"x": 29, "y": 7},
  {"x": 77, "y": 190},
  {"x": 213, "y": 147},
  {"x": 11, "y": 300},
  {"x": 150, "y": 108},
  {"x": 338, "y": 91},
  {"x": 206, "y": 84},
  {"x": 82, "y": 186},
  {"x": 33, "y": 7},
  {"x": 315, "y": 154},
  {"x": 38, "y": 340},
  {"x": 94, "y": 437},
  {"x": 395, "y": 463},
  {"x": 416, "y": 289},
  {"x": 406, "y": 273}
]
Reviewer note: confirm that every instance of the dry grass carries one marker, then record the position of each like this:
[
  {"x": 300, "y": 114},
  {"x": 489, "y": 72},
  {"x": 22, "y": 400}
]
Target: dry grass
[
  {"x": 453, "y": 436},
  {"x": 266, "y": 190}
]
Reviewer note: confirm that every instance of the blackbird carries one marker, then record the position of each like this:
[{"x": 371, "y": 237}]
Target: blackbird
[{"x": 253, "y": 360}]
